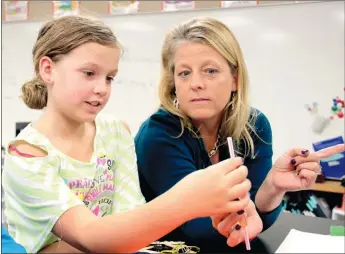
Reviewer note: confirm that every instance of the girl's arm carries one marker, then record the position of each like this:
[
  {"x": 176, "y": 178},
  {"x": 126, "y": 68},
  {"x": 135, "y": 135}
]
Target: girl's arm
[
  {"x": 126, "y": 232},
  {"x": 60, "y": 247},
  {"x": 194, "y": 196}
]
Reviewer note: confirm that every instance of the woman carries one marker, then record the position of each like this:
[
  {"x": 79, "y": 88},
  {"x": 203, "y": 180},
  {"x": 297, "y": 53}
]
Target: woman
[{"x": 204, "y": 99}]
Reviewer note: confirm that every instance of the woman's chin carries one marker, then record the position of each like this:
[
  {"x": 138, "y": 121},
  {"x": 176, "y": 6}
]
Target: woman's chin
[{"x": 202, "y": 115}]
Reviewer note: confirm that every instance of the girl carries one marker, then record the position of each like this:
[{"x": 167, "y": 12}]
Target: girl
[{"x": 70, "y": 178}]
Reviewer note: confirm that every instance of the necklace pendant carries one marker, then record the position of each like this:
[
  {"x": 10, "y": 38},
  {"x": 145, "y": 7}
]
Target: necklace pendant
[
  {"x": 215, "y": 148},
  {"x": 212, "y": 152}
]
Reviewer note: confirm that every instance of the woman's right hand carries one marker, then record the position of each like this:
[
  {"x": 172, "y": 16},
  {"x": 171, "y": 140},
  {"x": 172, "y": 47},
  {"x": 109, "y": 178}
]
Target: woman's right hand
[
  {"x": 229, "y": 225},
  {"x": 216, "y": 189}
]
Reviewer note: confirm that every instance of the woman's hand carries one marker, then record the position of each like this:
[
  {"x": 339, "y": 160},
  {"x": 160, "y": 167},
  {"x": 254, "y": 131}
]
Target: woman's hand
[
  {"x": 298, "y": 168},
  {"x": 232, "y": 225}
]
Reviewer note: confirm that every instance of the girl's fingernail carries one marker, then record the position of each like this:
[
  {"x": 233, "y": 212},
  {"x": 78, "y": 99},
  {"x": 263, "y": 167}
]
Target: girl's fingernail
[
  {"x": 240, "y": 212},
  {"x": 238, "y": 227},
  {"x": 293, "y": 162},
  {"x": 305, "y": 151}
]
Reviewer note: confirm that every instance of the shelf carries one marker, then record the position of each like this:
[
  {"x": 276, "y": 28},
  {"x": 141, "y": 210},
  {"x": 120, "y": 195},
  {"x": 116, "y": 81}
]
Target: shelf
[{"x": 329, "y": 186}]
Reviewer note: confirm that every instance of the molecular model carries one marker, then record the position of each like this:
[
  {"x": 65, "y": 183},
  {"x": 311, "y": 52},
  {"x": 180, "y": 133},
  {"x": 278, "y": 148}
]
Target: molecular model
[
  {"x": 338, "y": 108},
  {"x": 320, "y": 122}
]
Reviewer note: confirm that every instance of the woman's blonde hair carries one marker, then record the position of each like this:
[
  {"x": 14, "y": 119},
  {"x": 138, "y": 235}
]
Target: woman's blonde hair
[
  {"x": 57, "y": 38},
  {"x": 238, "y": 120}
]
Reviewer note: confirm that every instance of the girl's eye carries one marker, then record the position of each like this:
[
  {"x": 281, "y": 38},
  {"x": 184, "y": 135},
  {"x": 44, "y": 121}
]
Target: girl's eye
[
  {"x": 89, "y": 73},
  {"x": 110, "y": 79}
]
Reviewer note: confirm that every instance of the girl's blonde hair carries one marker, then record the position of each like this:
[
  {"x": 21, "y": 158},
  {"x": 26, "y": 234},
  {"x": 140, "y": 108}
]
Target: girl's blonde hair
[
  {"x": 238, "y": 120},
  {"x": 57, "y": 38}
]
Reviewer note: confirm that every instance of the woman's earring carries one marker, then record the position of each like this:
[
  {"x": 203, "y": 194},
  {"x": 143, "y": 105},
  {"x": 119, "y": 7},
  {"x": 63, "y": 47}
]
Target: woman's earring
[
  {"x": 232, "y": 100},
  {"x": 176, "y": 103}
]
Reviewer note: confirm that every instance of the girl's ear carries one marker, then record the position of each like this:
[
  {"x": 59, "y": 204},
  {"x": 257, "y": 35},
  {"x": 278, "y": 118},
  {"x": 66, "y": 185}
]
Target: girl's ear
[{"x": 46, "y": 67}]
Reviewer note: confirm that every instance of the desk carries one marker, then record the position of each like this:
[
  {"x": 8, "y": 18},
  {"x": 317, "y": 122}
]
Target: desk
[
  {"x": 329, "y": 186},
  {"x": 270, "y": 240}
]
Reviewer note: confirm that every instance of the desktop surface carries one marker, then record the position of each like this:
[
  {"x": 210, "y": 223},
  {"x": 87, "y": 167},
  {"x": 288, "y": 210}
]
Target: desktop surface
[{"x": 270, "y": 240}]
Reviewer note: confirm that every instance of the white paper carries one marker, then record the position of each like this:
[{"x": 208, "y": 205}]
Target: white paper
[
  {"x": 227, "y": 4},
  {"x": 61, "y": 8},
  {"x": 302, "y": 242},
  {"x": 175, "y": 5},
  {"x": 16, "y": 10},
  {"x": 120, "y": 7}
]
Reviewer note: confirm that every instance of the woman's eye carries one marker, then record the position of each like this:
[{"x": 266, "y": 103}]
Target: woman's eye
[
  {"x": 184, "y": 73},
  {"x": 211, "y": 71}
]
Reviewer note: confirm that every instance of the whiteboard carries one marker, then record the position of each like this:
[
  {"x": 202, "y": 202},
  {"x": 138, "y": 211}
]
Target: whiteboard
[{"x": 294, "y": 54}]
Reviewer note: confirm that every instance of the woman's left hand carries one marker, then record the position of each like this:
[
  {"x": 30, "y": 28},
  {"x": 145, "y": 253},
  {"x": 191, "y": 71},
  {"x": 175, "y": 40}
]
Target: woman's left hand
[
  {"x": 232, "y": 226},
  {"x": 297, "y": 169}
]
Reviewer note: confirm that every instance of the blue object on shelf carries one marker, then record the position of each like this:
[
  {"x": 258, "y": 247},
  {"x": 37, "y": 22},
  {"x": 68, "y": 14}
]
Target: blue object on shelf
[{"x": 333, "y": 167}]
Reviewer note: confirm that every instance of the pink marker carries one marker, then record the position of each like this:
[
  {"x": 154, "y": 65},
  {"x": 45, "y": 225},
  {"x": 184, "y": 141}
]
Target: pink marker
[{"x": 232, "y": 155}]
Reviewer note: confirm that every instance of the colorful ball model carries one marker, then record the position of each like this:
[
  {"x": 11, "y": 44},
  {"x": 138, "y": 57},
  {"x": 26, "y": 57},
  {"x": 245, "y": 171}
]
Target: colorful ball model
[{"x": 337, "y": 108}]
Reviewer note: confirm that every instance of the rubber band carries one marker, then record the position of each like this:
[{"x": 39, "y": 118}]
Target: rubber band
[
  {"x": 183, "y": 249},
  {"x": 174, "y": 248}
]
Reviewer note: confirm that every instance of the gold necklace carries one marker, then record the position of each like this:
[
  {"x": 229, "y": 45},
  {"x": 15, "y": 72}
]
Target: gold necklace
[{"x": 215, "y": 147}]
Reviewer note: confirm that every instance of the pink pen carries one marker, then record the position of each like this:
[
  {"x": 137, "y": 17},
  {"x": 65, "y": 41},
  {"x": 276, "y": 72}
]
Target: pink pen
[{"x": 232, "y": 155}]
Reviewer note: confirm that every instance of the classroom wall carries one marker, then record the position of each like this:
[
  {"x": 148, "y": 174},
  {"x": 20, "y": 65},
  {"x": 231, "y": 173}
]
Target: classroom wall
[
  {"x": 43, "y": 10},
  {"x": 291, "y": 62}
]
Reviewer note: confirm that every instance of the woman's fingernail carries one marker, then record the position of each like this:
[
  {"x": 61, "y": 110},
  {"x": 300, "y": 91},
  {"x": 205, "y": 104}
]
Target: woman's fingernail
[
  {"x": 238, "y": 227},
  {"x": 240, "y": 212},
  {"x": 305, "y": 151},
  {"x": 293, "y": 162}
]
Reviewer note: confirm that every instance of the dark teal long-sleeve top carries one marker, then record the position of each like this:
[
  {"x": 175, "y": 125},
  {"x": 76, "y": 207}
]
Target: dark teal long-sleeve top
[{"x": 163, "y": 160}]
